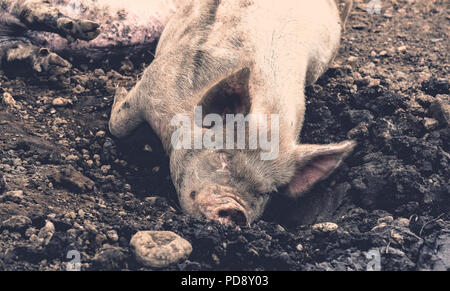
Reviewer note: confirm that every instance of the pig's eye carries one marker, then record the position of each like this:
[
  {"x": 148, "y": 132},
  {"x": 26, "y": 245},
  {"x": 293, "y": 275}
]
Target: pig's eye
[
  {"x": 221, "y": 161},
  {"x": 193, "y": 195}
]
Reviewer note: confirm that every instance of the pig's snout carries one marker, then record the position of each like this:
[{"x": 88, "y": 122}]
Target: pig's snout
[
  {"x": 218, "y": 204},
  {"x": 232, "y": 216}
]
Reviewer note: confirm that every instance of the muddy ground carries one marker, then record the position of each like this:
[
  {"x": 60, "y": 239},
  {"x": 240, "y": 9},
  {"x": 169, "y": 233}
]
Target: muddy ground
[{"x": 389, "y": 89}]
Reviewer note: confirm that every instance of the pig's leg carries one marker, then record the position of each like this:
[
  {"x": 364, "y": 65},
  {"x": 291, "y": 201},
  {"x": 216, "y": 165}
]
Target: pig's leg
[
  {"x": 126, "y": 113},
  {"x": 19, "y": 57},
  {"x": 40, "y": 15}
]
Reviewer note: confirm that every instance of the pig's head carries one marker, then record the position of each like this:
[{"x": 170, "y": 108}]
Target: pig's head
[{"x": 233, "y": 186}]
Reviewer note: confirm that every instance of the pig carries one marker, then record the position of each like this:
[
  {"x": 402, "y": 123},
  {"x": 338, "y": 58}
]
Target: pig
[
  {"x": 248, "y": 57},
  {"x": 41, "y": 36}
]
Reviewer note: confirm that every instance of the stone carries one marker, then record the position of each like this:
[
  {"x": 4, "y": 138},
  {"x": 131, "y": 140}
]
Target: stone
[
  {"x": 71, "y": 179},
  {"x": 81, "y": 213},
  {"x": 46, "y": 233},
  {"x": 159, "y": 249},
  {"x": 430, "y": 123},
  {"x": 109, "y": 258},
  {"x": 352, "y": 59},
  {"x": 401, "y": 222},
  {"x": 61, "y": 102},
  {"x": 325, "y": 227},
  {"x": 112, "y": 235},
  {"x": 72, "y": 158},
  {"x": 101, "y": 133},
  {"x": 380, "y": 227},
  {"x": 397, "y": 237},
  {"x": 13, "y": 196},
  {"x": 402, "y": 48},
  {"x": 373, "y": 82},
  {"x": 387, "y": 220},
  {"x": 440, "y": 109},
  {"x": 9, "y": 101},
  {"x": 71, "y": 215},
  {"x": 105, "y": 169},
  {"x": 17, "y": 222}
]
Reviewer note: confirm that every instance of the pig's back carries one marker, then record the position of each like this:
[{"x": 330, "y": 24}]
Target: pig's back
[{"x": 296, "y": 33}]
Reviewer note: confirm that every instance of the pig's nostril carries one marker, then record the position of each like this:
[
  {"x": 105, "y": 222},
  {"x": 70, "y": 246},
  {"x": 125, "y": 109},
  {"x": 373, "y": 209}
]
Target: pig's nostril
[{"x": 233, "y": 216}]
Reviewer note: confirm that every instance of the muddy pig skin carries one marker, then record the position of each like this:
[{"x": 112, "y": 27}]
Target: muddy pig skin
[
  {"x": 41, "y": 36},
  {"x": 130, "y": 25},
  {"x": 231, "y": 57}
]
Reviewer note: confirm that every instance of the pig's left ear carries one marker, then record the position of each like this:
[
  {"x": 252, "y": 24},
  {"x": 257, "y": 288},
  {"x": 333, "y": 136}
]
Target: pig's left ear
[{"x": 315, "y": 163}]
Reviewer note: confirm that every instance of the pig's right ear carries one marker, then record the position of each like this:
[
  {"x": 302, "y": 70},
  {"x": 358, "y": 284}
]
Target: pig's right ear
[
  {"x": 315, "y": 163},
  {"x": 229, "y": 95}
]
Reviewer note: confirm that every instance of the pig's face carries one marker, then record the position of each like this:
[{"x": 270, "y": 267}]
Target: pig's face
[
  {"x": 228, "y": 186},
  {"x": 234, "y": 186}
]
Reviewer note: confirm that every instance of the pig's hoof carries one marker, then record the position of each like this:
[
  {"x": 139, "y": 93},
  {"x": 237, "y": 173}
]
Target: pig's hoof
[
  {"x": 77, "y": 29},
  {"x": 48, "y": 63},
  {"x": 40, "y": 62}
]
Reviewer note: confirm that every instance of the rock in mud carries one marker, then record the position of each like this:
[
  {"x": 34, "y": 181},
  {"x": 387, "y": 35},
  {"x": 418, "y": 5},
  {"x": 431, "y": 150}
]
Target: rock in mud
[
  {"x": 13, "y": 196},
  {"x": 9, "y": 101},
  {"x": 436, "y": 86},
  {"x": 72, "y": 179},
  {"x": 325, "y": 227},
  {"x": 16, "y": 223},
  {"x": 109, "y": 258},
  {"x": 61, "y": 102},
  {"x": 430, "y": 123},
  {"x": 159, "y": 249},
  {"x": 112, "y": 235},
  {"x": 386, "y": 219},
  {"x": 46, "y": 233},
  {"x": 440, "y": 109}
]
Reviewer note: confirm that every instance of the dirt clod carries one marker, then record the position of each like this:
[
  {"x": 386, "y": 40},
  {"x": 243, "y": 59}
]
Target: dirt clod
[
  {"x": 159, "y": 249},
  {"x": 72, "y": 179},
  {"x": 325, "y": 227},
  {"x": 17, "y": 222},
  {"x": 440, "y": 109}
]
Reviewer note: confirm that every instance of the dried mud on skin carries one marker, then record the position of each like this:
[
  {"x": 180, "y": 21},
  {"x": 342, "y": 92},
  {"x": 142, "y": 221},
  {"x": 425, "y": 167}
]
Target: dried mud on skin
[{"x": 387, "y": 90}]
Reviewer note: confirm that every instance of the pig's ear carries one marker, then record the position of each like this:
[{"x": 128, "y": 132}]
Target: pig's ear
[
  {"x": 315, "y": 163},
  {"x": 229, "y": 95}
]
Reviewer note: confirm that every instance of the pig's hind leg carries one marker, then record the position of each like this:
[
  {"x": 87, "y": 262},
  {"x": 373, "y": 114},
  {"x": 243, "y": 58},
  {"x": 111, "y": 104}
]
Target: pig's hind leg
[
  {"x": 126, "y": 113},
  {"x": 41, "y": 15}
]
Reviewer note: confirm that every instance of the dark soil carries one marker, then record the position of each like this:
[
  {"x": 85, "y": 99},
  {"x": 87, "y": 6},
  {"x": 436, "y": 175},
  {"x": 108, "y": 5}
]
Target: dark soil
[{"x": 388, "y": 89}]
